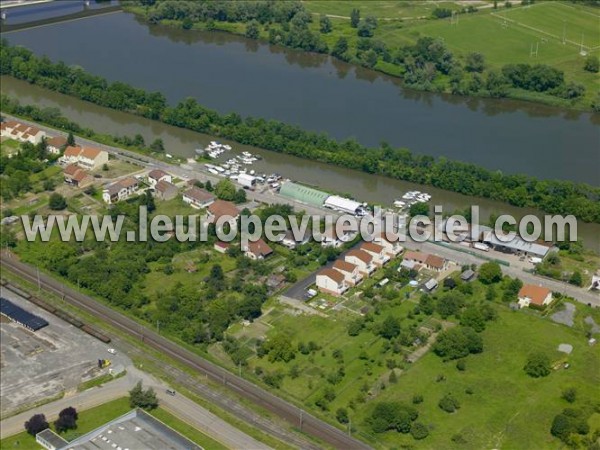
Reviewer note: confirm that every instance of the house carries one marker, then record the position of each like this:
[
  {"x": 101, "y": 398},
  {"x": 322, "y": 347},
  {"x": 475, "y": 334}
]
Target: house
[
  {"x": 389, "y": 243},
  {"x": 89, "y": 158},
  {"x": 431, "y": 285},
  {"x": 290, "y": 241},
  {"x": 275, "y": 281},
  {"x": 165, "y": 190},
  {"x": 221, "y": 247},
  {"x": 120, "y": 190},
  {"x": 223, "y": 209},
  {"x": 536, "y": 295},
  {"x": 21, "y": 132},
  {"x": 56, "y": 144},
  {"x": 431, "y": 262},
  {"x": 350, "y": 271},
  {"x": 258, "y": 250},
  {"x": 156, "y": 175},
  {"x": 332, "y": 282},
  {"x": 198, "y": 198},
  {"x": 362, "y": 259},
  {"x": 76, "y": 176},
  {"x": 380, "y": 256}
]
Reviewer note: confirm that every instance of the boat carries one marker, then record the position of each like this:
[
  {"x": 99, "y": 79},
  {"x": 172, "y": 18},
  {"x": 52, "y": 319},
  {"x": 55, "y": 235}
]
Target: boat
[
  {"x": 399, "y": 204},
  {"x": 213, "y": 171}
]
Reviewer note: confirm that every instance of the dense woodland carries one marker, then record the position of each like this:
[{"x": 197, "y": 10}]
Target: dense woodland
[
  {"x": 552, "y": 196},
  {"x": 428, "y": 65}
]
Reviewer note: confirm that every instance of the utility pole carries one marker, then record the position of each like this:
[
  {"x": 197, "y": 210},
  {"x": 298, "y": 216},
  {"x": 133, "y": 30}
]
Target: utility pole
[
  {"x": 301, "y": 419},
  {"x": 349, "y": 426},
  {"x": 38, "y": 279}
]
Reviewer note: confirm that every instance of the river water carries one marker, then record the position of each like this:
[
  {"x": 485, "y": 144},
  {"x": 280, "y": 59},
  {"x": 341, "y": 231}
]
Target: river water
[
  {"x": 182, "y": 142},
  {"x": 230, "y": 73}
]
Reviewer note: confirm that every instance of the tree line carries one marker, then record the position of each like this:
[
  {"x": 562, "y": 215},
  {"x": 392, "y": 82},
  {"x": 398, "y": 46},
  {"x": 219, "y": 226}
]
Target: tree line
[
  {"x": 289, "y": 24},
  {"x": 552, "y": 196}
]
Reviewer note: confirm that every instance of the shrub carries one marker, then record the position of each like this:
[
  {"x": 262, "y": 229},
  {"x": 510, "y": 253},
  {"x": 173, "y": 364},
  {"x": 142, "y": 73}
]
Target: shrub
[
  {"x": 569, "y": 395},
  {"x": 417, "y": 398},
  {"x": 448, "y": 403},
  {"x": 419, "y": 431},
  {"x": 537, "y": 365}
]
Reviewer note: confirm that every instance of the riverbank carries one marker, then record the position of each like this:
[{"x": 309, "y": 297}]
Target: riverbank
[
  {"x": 554, "y": 197},
  {"x": 391, "y": 36}
]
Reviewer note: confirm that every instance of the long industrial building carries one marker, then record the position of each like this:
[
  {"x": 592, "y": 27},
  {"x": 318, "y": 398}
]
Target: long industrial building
[
  {"x": 314, "y": 197},
  {"x": 19, "y": 315}
]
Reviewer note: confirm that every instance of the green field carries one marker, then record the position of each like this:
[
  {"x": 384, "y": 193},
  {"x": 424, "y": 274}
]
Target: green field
[
  {"x": 557, "y": 19},
  {"x": 387, "y": 10}
]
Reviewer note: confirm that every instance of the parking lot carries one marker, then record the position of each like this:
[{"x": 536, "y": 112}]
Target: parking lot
[{"x": 43, "y": 365}]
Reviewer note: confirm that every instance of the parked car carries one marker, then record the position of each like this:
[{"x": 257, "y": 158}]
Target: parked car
[
  {"x": 170, "y": 392},
  {"x": 112, "y": 351}
]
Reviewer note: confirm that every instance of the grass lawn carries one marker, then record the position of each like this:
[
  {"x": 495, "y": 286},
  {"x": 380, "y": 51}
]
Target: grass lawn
[
  {"x": 379, "y": 9},
  {"x": 505, "y": 401},
  {"x": 9, "y": 146},
  {"x": 93, "y": 418}
]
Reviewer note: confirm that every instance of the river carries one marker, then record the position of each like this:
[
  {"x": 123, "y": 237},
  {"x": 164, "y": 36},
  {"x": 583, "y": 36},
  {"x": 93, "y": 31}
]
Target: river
[
  {"x": 230, "y": 73},
  {"x": 181, "y": 142}
]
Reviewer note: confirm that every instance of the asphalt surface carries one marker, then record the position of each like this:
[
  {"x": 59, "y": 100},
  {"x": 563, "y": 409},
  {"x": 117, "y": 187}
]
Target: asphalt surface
[{"x": 279, "y": 407}]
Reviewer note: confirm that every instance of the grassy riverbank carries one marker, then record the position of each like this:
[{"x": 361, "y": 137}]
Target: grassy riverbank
[{"x": 504, "y": 36}]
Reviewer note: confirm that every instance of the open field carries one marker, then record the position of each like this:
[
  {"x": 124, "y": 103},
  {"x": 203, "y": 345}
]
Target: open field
[
  {"x": 387, "y": 10},
  {"x": 505, "y": 401}
]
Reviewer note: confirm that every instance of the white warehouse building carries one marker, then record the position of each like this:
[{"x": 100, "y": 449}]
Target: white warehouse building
[{"x": 346, "y": 205}]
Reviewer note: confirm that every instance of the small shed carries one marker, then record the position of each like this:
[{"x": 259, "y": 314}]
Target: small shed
[
  {"x": 467, "y": 275},
  {"x": 431, "y": 284}
]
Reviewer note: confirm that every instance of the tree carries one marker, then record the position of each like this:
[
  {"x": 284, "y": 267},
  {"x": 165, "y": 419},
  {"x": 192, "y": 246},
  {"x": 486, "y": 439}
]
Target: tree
[
  {"x": 240, "y": 196},
  {"x": 365, "y": 29},
  {"x": 393, "y": 378},
  {"x": 354, "y": 18},
  {"x": 576, "y": 278},
  {"x": 57, "y": 202},
  {"x": 340, "y": 47},
  {"x": 279, "y": 348},
  {"x": 457, "y": 342},
  {"x": 569, "y": 395},
  {"x": 490, "y": 273},
  {"x": 392, "y": 416},
  {"x": 473, "y": 317},
  {"x": 64, "y": 423},
  {"x": 538, "y": 365},
  {"x": 419, "y": 431},
  {"x": 342, "y": 415},
  {"x": 70, "y": 139},
  {"x": 157, "y": 145},
  {"x": 418, "y": 209},
  {"x": 187, "y": 23},
  {"x": 208, "y": 186},
  {"x": 475, "y": 62},
  {"x": 355, "y": 327},
  {"x": 140, "y": 398},
  {"x": 69, "y": 411},
  {"x": 390, "y": 328},
  {"x": 448, "y": 403},
  {"x": 225, "y": 190},
  {"x": 325, "y": 24},
  {"x": 592, "y": 64},
  {"x": 252, "y": 30},
  {"x": 36, "y": 424}
]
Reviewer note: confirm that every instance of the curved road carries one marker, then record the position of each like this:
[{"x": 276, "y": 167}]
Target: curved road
[{"x": 284, "y": 410}]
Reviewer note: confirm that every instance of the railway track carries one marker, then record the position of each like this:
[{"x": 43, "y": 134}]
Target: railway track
[{"x": 281, "y": 408}]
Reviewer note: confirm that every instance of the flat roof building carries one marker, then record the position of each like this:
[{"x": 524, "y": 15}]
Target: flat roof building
[
  {"x": 135, "y": 430},
  {"x": 303, "y": 194}
]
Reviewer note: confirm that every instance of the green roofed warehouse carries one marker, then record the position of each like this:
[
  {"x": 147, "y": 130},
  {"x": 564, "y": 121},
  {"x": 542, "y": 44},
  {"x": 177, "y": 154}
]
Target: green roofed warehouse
[{"x": 303, "y": 194}]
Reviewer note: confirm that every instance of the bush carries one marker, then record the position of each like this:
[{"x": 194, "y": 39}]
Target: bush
[
  {"x": 569, "y": 395},
  {"x": 538, "y": 365},
  {"x": 592, "y": 64},
  {"x": 140, "y": 398},
  {"x": 461, "y": 365},
  {"x": 417, "y": 398},
  {"x": 392, "y": 416},
  {"x": 457, "y": 343},
  {"x": 419, "y": 431},
  {"x": 490, "y": 273},
  {"x": 448, "y": 403},
  {"x": 57, "y": 202}
]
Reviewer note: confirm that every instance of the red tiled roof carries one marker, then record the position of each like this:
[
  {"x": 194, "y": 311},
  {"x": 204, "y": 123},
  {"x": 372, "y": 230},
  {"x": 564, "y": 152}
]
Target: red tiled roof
[
  {"x": 163, "y": 186},
  {"x": 222, "y": 208},
  {"x": 416, "y": 256},
  {"x": 72, "y": 151},
  {"x": 90, "y": 152},
  {"x": 71, "y": 169},
  {"x": 344, "y": 266},
  {"x": 259, "y": 248},
  {"x": 371, "y": 247},
  {"x": 56, "y": 141},
  {"x": 199, "y": 195},
  {"x": 536, "y": 294},
  {"x": 333, "y": 274},
  {"x": 361, "y": 254},
  {"x": 157, "y": 174},
  {"x": 435, "y": 261}
]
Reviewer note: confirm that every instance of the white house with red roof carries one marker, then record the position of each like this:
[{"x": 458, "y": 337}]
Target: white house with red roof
[
  {"x": 380, "y": 256},
  {"x": 89, "y": 158},
  {"x": 361, "y": 259},
  {"x": 332, "y": 282},
  {"x": 21, "y": 132},
  {"x": 258, "y": 250},
  {"x": 350, "y": 271},
  {"x": 156, "y": 175},
  {"x": 530, "y": 294}
]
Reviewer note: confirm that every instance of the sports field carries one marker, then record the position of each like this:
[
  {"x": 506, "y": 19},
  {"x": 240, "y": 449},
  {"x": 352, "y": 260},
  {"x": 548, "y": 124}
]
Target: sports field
[{"x": 557, "y": 20}]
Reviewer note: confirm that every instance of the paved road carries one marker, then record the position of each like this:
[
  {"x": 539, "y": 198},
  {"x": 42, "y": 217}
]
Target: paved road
[{"x": 279, "y": 407}]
